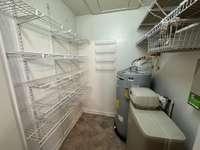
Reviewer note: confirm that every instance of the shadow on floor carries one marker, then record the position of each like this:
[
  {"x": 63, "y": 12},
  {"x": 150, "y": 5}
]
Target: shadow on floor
[{"x": 93, "y": 132}]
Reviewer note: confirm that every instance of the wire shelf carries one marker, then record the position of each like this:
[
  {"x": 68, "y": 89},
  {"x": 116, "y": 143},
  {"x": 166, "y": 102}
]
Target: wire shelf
[
  {"x": 18, "y": 9},
  {"x": 154, "y": 15},
  {"x": 47, "y": 126},
  {"x": 185, "y": 10},
  {"x": 65, "y": 127},
  {"x": 185, "y": 5},
  {"x": 51, "y": 81},
  {"x": 33, "y": 56},
  {"x": 45, "y": 108},
  {"x": 25, "y": 13},
  {"x": 70, "y": 37},
  {"x": 53, "y": 114},
  {"x": 175, "y": 36}
]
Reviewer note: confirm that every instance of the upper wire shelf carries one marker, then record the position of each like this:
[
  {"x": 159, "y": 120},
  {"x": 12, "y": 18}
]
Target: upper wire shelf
[
  {"x": 155, "y": 14},
  {"x": 176, "y": 36},
  {"x": 25, "y": 13},
  {"x": 33, "y": 56},
  {"x": 188, "y": 9}
]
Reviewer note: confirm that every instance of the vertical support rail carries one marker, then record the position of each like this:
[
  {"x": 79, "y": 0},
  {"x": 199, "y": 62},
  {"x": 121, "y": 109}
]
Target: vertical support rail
[{"x": 25, "y": 68}]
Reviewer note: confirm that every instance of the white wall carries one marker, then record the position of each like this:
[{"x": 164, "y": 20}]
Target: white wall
[
  {"x": 175, "y": 80},
  {"x": 120, "y": 27},
  {"x": 10, "y": 137}
]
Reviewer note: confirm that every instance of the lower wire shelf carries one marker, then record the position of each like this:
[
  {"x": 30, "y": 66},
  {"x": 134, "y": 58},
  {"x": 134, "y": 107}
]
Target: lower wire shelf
[
  {"x": 44, "y": 106},
  {"x": 53, "y": 116},
  {"x": 64, "y": 129},
  {"x": 45, "y": 109},
  {"x": 44, "y": 131}
]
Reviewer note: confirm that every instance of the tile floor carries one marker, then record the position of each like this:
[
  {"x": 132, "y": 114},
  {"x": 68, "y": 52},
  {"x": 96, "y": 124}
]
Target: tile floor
[{"x": 93, "y": 132}]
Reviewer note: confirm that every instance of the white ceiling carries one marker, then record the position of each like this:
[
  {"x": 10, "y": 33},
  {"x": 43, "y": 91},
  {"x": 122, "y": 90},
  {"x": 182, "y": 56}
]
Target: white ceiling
[{"x": 83, "y": 7}]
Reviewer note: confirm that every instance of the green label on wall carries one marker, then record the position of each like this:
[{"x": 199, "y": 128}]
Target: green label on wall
[
  {"x": 194, "y": 100},
  {"x": 194, "y": 97}
]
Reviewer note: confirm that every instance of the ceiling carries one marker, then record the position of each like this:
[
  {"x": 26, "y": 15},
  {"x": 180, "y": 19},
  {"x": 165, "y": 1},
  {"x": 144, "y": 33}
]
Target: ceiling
[{"x": 84, "y": 7}]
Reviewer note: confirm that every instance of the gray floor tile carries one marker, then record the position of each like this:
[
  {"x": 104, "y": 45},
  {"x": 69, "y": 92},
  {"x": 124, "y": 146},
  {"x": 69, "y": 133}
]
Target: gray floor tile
[{"x": 93, "y": 132}]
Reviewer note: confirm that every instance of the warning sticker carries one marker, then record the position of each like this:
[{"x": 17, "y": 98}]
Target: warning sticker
[
  {"x": 126, "y": 94},
  {"x": 118, "y": 104}
]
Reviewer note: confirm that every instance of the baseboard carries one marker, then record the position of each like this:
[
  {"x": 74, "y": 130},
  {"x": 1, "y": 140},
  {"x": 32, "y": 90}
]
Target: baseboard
[{"x": 96, "y": 112}]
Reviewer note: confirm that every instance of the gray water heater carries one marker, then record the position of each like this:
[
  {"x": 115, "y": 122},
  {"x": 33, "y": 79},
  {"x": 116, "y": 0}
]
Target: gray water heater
[{"x": 126, "y": 79}]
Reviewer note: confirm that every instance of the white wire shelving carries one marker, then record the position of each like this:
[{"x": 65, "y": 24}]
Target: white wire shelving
[
  {"x": 51, "y": 81},
  {"x": 57, "y": 82},
  {"x": 25, "y": 13},
  {"x": 34, "y": 55},
  {"x": 46, "y": 126},
  {"x": 189, "y": 10},
  {"x": 65, "y": 126},
  {"x": 158, "y": 10},
  {"x": 52, "y": 111},
  {"x": 47, "y": 102},
  {"x": 44, "y": 108},
  {"x": 176, "y": 37},
  {"x": 49, "y": 113}
]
